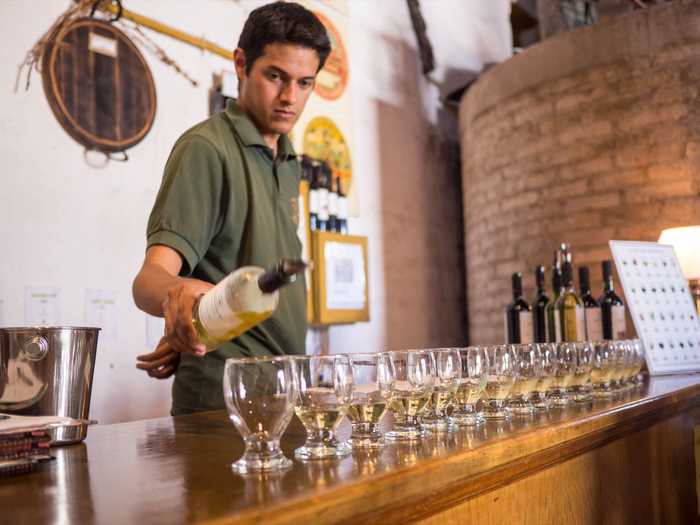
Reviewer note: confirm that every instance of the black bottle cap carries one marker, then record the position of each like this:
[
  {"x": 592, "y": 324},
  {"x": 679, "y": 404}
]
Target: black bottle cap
[
  {"x": 607, "y": 269},
  {"x": 584, "y": 279},
  {"x": 284, "y": 272},
  {"x": 567, "y": 274},
  {"x": 539, "y": 276},
  {"x": 517, "y": 280}
]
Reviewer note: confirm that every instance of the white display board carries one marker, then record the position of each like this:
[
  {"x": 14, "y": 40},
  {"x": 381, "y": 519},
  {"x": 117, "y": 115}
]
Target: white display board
[{"x": 660, "y": 304}]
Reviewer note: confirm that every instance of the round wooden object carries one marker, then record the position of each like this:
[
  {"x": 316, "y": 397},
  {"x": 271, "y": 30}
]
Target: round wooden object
[{"x": 99, "y": 86}]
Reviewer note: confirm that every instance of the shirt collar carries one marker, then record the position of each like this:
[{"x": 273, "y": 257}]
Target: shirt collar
[{"x": 249, "y": 134}]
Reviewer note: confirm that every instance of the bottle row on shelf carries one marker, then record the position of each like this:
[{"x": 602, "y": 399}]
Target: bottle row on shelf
[
  {"x": 566, "y": 315},
  {"x": 328, "y": 204}
]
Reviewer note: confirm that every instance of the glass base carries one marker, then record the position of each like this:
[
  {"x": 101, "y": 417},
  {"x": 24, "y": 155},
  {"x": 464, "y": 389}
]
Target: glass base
[
  {"x": 558, "y": 398},
  {"x": 471, "y": 419},
  {"x": 407, "y": 434},
  {"x": 250, "y": 465},
  {"x": 366, "y": 442},
  {"x": 520, "y": 407},
  {"x": 439, "y": 425},
  {"x": 501, "y": 413},
  {"x": 322, "y": 451}
]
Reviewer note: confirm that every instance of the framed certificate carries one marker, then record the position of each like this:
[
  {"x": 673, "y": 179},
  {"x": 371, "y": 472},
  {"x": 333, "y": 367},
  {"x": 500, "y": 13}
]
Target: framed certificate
[{"x": 340, "y": 280}]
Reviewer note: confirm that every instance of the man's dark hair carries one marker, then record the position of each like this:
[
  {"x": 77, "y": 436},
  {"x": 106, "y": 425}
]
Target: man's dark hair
[{"x": 284, "y": 23}]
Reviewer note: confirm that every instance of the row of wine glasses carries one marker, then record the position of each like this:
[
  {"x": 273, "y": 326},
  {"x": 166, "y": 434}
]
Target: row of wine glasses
[{"x": 426, "y": 390}]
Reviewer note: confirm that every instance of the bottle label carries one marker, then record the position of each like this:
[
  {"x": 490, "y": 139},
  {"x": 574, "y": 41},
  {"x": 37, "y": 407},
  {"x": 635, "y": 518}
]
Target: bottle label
[
  {"x": 594, "y": 324},
  {"x": 557, "y": 327},
  {"x": 342, "y": 207},
  {"x": 619, "y": 323},
  {"x": 323, "y": 204},
  {"x": 215, "y": 314},
  {"x": 580, "y": 334},
  {"x": 313, "y": 201},
  {"x": 526, "y": 327},
  {"x": 333, "y": 203}
]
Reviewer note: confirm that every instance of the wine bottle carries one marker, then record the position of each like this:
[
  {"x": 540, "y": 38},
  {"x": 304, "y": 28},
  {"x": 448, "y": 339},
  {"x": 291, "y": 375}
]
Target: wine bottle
[
  {"x": 518, "y": 314},
  {"x": 612, "y": 308},
  {"x": 552, "y": 316},
  {"x": 313, "y": 195},
  {"x": 591, "y": 307},
  {"x": 570, "y": 308},
  {"x": 342, "y": 211},
  {"x": 332, "y": 203},
  {"x": 241, "y": 300},
  {"x": 322, "y": 197},
  {"x": 539, "y": 305}
]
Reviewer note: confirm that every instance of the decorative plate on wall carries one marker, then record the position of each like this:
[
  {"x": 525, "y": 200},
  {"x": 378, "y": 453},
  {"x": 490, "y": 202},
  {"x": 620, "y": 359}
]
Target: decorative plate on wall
[{"x": 99, "y": 85}]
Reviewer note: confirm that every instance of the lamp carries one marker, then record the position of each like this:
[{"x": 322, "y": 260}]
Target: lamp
[{"x": 686, "y": 243}]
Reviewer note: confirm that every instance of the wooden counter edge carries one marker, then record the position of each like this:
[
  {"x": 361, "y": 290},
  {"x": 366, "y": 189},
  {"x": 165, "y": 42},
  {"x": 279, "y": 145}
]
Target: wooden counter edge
[{"x": 438, "y": 483}]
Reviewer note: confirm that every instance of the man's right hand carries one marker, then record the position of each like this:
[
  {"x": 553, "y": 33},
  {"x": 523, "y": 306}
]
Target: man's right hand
[{"x": 177, "y": 311}]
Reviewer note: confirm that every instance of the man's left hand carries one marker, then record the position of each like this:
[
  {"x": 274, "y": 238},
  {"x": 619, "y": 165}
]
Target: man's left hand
[{"x": 161, "y": 363}]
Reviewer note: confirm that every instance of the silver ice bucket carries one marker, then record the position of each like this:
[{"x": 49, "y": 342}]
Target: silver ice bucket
[{"x": 47, "y": 371}]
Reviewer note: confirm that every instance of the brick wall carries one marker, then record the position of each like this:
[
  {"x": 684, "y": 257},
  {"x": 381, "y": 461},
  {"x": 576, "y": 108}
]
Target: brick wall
[{"x": 588, "y": 136}]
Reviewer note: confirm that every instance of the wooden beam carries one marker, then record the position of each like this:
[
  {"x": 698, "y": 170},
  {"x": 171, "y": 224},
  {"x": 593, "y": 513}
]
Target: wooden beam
[{"x": 170, "y": 31}]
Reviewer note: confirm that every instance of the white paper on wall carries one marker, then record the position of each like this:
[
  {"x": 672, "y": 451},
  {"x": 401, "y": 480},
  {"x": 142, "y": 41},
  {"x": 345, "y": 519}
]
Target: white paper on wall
[
  {"x": 101, "y": 311},
  {"x": 660, "y": 305},
  {"x": 345, "y": 276},
  {"x": 155, "y": 329},
  {"x": 42, "y": 306}
]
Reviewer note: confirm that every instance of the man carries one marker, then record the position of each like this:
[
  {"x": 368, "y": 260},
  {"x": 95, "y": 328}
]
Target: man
[{"x": 228, "y": 199}]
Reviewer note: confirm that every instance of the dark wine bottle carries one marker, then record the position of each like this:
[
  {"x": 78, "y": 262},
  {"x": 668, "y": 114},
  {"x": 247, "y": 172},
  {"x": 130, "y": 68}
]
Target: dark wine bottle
[
  {"x": 612, "y": 308},
  {"x": 518, "y": 314},
  {"x": 553, "y": 326},
  {"x": 333, "y": 225},
  {"x": 342, "y": 211},
  {"x": 594, "y": 323},
  {"x": 539, "y": 305},
  {"x": 322, "y": 186},
  {"x": 313, "y": 194}
]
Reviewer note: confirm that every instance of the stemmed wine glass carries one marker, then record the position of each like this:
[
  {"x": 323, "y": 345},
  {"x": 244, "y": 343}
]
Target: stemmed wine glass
[
  {"x": 603, "y": 364},
  {"x": 373, "y": 378},
  {"x": 259, "y": 394},
  {"x": 448, "y": 370},
  {"x": 471, "y": 386},
  {"x": 580, "y": 388},
  {"x": 325, "y": 392},
  {"x": 502, "y": 372},
  {"x": 548, "y": 359},
  {"x": 414, "y": 376},
  {"x": 529, "y": 363},
  {"x": 564, "y": 377}
]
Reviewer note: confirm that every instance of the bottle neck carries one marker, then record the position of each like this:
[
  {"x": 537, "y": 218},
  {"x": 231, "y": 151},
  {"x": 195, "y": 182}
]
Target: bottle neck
[{"x": 284, "y": 272}]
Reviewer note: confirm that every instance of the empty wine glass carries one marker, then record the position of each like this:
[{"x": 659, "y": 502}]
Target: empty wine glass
[
  {"x": 564, "y": 376},
  {"x": 414, "y": 375},
  {"x": 502, "y": 372},
  {"x": 580, "y": 388},
  {"x": 529, "y": 365},
  {"x": 548, "y": 359},
  {"x": 325, "y": 392},
  {"x": 448, "y": 370},
  {"x": 259, "y": 394},
  {"x": 373, "y": 377},
  {"x": 471, "y": 386},
  {"x": 602, "y": 366}
]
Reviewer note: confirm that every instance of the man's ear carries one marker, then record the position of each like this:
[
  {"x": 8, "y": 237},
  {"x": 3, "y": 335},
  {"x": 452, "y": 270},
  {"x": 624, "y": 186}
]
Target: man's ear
[{"x": 240, "y": 62}]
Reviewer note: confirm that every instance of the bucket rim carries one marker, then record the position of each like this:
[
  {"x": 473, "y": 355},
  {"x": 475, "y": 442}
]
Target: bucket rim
[{"x": 49, "y": 328}]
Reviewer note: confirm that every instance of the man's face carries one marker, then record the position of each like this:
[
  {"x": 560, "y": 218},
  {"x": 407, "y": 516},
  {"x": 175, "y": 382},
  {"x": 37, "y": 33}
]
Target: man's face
[{"x": 277, "y": 87}]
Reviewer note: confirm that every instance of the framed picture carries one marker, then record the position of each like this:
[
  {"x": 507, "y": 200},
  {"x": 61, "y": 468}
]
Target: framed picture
[{"x": 340, "y": 279}]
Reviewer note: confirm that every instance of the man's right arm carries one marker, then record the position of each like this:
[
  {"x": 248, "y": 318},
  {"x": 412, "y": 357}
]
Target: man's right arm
[{"x": 160, "y": 291}]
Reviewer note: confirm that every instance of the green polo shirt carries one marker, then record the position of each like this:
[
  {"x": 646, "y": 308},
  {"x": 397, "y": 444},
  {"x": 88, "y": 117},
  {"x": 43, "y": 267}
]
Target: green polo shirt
[{"x": 225, "y": 202}]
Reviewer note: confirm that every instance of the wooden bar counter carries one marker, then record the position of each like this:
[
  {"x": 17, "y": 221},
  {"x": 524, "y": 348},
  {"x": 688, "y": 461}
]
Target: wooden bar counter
[{"x": 631, "y": 460}]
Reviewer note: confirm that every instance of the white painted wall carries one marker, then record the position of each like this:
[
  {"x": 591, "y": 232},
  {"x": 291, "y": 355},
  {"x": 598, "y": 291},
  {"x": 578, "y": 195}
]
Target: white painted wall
[{"x": 68, "y": 225}]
